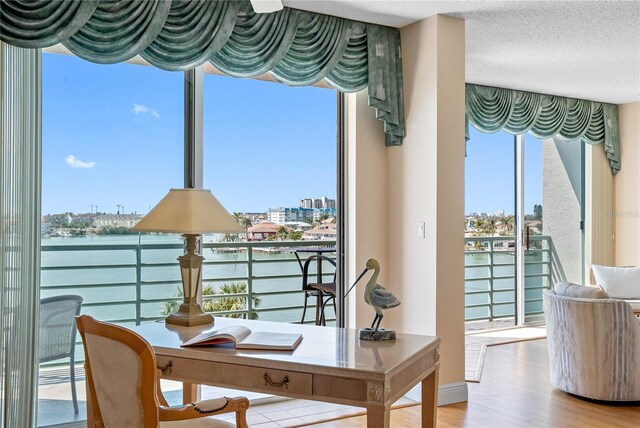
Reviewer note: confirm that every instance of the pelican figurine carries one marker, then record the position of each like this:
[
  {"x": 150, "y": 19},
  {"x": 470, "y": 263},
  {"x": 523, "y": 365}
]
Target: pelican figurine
[{"x": 376, "y": 296}]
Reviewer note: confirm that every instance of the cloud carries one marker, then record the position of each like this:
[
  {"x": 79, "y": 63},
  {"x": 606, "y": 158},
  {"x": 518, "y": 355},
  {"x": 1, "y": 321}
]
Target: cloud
[
  {"x": 139, "y": 109},
  {"x": 74, "y": 162}
]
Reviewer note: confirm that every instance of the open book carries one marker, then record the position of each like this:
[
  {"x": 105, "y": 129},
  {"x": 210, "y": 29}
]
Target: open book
[{"x": 243, "y": 338}]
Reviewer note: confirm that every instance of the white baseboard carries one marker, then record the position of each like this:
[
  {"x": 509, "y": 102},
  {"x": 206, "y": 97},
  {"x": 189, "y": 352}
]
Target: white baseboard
[{"x": 447, "y": 394}]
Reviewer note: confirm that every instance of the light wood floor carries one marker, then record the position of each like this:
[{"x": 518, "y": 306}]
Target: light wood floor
[{"x": 514, "y": 392}]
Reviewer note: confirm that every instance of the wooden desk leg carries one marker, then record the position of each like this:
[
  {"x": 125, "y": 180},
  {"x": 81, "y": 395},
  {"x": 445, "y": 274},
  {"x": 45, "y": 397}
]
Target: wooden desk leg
[
  {"x": 378, "y": 416},
  {"x": 430, "y": 400},
  {"x": 189, "y": 393}
]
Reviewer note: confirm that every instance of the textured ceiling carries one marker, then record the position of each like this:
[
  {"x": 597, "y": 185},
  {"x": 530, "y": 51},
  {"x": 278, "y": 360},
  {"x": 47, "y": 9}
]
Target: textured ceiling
[{"x": 582, "y": 49}]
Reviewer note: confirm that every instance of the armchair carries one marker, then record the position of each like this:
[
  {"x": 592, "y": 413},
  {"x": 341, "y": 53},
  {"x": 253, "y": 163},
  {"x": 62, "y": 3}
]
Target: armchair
[
  {"x": 594, "y": 345},
  {"x": 123, "y": 385}
]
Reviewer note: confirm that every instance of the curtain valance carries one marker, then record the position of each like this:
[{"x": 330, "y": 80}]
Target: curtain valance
[
  {"x": 298, "y": 48},
  {"x": 492, "y": 109}
]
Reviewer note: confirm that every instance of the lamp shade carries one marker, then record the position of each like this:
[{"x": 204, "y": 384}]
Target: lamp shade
[{"x": 188, "y": 211}]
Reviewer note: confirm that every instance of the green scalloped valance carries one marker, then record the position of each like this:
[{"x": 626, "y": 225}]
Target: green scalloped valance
[
  {"x": 492, "y": 109},
  {"x": 298, "y": 48}
]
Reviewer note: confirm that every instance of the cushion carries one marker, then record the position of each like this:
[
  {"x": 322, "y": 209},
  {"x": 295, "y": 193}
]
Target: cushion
[
  {"x": 574, "y": 290},
  {"x": 197, "y": 423},
  {"x": 635, "y": 305},
  {"x": 618, "y": 282}
]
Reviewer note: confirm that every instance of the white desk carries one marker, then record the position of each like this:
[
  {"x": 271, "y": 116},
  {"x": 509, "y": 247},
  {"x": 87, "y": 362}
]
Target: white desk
[{"x": 330, "y": 364}]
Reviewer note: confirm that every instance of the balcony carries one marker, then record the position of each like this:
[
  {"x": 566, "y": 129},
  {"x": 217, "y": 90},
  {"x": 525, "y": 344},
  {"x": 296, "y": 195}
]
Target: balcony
[{"x": 490, "y": 277}]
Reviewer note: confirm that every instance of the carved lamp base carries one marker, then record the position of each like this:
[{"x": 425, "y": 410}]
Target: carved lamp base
[{"x": 373, "y": 334}]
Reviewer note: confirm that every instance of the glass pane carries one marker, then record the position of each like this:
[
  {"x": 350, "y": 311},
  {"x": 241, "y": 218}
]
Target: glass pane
[
  {"x": 112, "y": 146},
  {"x": 489, "y": 230},
  {"x": 270, "y": 158}
]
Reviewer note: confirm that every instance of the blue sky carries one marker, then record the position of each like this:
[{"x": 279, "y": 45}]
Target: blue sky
[{"x": 113, "y": 135}]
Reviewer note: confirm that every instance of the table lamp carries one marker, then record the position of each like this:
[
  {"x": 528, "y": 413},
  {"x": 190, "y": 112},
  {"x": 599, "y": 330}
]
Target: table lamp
[{"x": 191, "y": 212}]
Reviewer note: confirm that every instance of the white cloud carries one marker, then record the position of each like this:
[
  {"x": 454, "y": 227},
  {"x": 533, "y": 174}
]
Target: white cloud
[
  {"x": 74, "y": 162},
  {"x": 139, "y": 109}
]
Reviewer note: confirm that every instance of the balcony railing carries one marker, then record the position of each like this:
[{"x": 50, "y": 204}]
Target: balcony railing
[
  {"x": 490, "y": 276},
  {"x": 133, "y": 283}
]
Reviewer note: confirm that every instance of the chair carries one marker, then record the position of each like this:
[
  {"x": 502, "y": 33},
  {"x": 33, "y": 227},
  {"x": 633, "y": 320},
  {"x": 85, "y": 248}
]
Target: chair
[
  {"x": 58, "y": 333},
  {"x": 123, "y": 385},
  {"x": 323, "y": 292},
  {"x": 594, "y": 346}
]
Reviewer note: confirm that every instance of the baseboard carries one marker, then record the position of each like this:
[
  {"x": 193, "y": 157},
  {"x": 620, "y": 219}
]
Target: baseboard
[{"x": 447, "y": 394}]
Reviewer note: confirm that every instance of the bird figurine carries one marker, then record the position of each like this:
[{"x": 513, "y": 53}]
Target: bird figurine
[{"x": 379, "y": 298}]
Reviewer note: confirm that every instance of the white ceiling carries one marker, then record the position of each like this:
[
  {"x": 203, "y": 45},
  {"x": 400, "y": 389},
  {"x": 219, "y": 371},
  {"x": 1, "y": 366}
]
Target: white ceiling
[{"x": 581, "y": 49}]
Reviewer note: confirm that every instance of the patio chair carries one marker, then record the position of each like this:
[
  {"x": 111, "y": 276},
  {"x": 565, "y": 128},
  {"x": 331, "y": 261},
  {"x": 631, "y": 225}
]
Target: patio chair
[
  {"x": 58, "y": 333},
  {"x": 324, "y": 292},
  {"x": 123, "y": 385}
]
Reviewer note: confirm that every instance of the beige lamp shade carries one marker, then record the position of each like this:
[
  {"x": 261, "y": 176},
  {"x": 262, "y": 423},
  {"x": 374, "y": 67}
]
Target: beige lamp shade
[{"x": 189, "y": 211}]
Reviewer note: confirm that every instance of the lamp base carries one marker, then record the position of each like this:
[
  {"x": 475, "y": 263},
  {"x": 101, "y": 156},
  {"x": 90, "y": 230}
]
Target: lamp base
[{"x": 190, "y": 314}]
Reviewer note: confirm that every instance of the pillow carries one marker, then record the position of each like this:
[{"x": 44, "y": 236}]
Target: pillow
[
  {"x": 618, "y": 282},
  {"x": 574, "y": 290}
]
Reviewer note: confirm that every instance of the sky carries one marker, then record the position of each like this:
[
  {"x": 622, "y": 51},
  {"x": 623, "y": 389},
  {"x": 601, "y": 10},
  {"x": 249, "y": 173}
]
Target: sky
[{"x": 113, "y": 135}]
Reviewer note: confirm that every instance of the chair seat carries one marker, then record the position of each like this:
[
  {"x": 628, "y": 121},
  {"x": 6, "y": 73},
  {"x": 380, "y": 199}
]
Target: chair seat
[
  {"x": 197, "y": 423},
  {"x": 329, "y": 288}
]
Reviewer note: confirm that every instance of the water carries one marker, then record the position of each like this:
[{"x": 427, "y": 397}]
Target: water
[{"x": 109, "y": 275}]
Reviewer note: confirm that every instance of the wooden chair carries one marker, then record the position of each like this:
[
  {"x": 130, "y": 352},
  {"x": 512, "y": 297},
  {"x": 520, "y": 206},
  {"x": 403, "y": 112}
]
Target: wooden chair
[{"x": 123, "y": 385}]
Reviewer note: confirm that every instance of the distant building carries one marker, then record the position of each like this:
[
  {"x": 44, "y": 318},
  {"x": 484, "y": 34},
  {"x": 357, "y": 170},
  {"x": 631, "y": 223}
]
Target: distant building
[
  {"x": 306, "y": 203},
  {"x": 285, "y": 215},
  {"x": 318, "y": 203},
  {"x": 262, "y": 231},
  {"x": 324, "y": 231},
  {"x": 297, "y": 225},
  {"x": 116, "y": 220}
]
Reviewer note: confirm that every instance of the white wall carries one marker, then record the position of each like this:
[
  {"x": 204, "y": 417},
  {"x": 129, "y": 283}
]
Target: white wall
[{"x": 627, "y": 188}]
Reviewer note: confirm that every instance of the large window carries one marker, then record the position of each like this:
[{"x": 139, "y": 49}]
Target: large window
[{"x": 114, "y": 144}]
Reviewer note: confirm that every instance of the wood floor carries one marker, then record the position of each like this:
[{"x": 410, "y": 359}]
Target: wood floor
[{"x": 514, "y": 392}]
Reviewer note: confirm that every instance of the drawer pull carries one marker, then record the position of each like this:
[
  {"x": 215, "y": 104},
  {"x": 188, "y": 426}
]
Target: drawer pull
[
  {"x": 168, "y": 367},
  {"x": 268, "y": 381}
]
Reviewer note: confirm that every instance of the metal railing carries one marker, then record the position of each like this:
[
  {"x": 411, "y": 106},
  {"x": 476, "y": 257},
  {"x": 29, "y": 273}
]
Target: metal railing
[
  {"x": 132, "y": 283},
  {"x": 490, "y": 276}
]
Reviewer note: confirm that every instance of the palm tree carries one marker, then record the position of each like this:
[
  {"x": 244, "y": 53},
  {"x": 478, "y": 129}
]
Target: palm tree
[
  {"x": 220, "y": 304},
  {"x": 282, "y": 233}
]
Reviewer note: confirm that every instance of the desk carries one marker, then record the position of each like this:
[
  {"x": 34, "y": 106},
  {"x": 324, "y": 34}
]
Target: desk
[{"x": 330, "y": 365}]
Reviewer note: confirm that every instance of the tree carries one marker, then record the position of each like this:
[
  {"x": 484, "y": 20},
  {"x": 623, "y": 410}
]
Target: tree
[
  {"x": 220, "y": 304},
  {"x": 537, "y": 212}
]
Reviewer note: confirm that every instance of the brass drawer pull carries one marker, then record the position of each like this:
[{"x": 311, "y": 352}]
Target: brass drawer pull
[
  {"x": 168, "y": 367},
  {"x": 268, "y": 381}
]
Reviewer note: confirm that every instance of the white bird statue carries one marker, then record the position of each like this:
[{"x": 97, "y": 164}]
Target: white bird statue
[{"x": 376, "y": 296}]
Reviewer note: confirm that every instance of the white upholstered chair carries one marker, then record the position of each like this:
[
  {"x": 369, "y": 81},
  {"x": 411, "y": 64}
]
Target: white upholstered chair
[
  {"x": 123, "y": 385},
  {"x": 594, "y": 344}
]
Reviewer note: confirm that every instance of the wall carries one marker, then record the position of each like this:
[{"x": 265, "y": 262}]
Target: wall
[
  {"x": 426, "y": 184},
  {"x": 561, "y": 195},
  {"x": 627, "y": 188},
  {"x": 392, "y": 189}
]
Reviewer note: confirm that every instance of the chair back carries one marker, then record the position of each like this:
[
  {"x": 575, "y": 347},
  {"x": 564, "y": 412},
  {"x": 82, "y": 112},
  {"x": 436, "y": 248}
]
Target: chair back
[
  {"x": 121, "y": 374},
  {"x": 57, "y": 327},
  {"x": 305, "y": 270}
]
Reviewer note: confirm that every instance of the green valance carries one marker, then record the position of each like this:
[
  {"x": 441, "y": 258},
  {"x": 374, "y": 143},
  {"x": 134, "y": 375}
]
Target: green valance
[
  {"x": 492, "y": 109},
  {"x": 298, "y": 48}
]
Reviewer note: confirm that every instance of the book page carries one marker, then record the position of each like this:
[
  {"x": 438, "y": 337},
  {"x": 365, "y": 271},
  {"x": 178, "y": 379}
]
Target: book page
[{"x": 223, "y": 335}]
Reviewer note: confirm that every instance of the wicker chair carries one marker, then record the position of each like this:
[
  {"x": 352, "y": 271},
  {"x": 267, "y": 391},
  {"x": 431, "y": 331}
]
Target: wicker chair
[{"x": 58, "y": 333}]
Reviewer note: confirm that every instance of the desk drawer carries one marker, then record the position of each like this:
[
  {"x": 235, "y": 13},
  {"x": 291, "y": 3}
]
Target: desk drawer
[{"x": 236, "y": 376}]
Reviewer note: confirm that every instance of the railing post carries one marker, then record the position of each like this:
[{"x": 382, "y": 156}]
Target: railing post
[
  {"x": 250, "y": 282},
  {"x": 138, "y": 282},
  {"x": 491, "y": 260}
]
